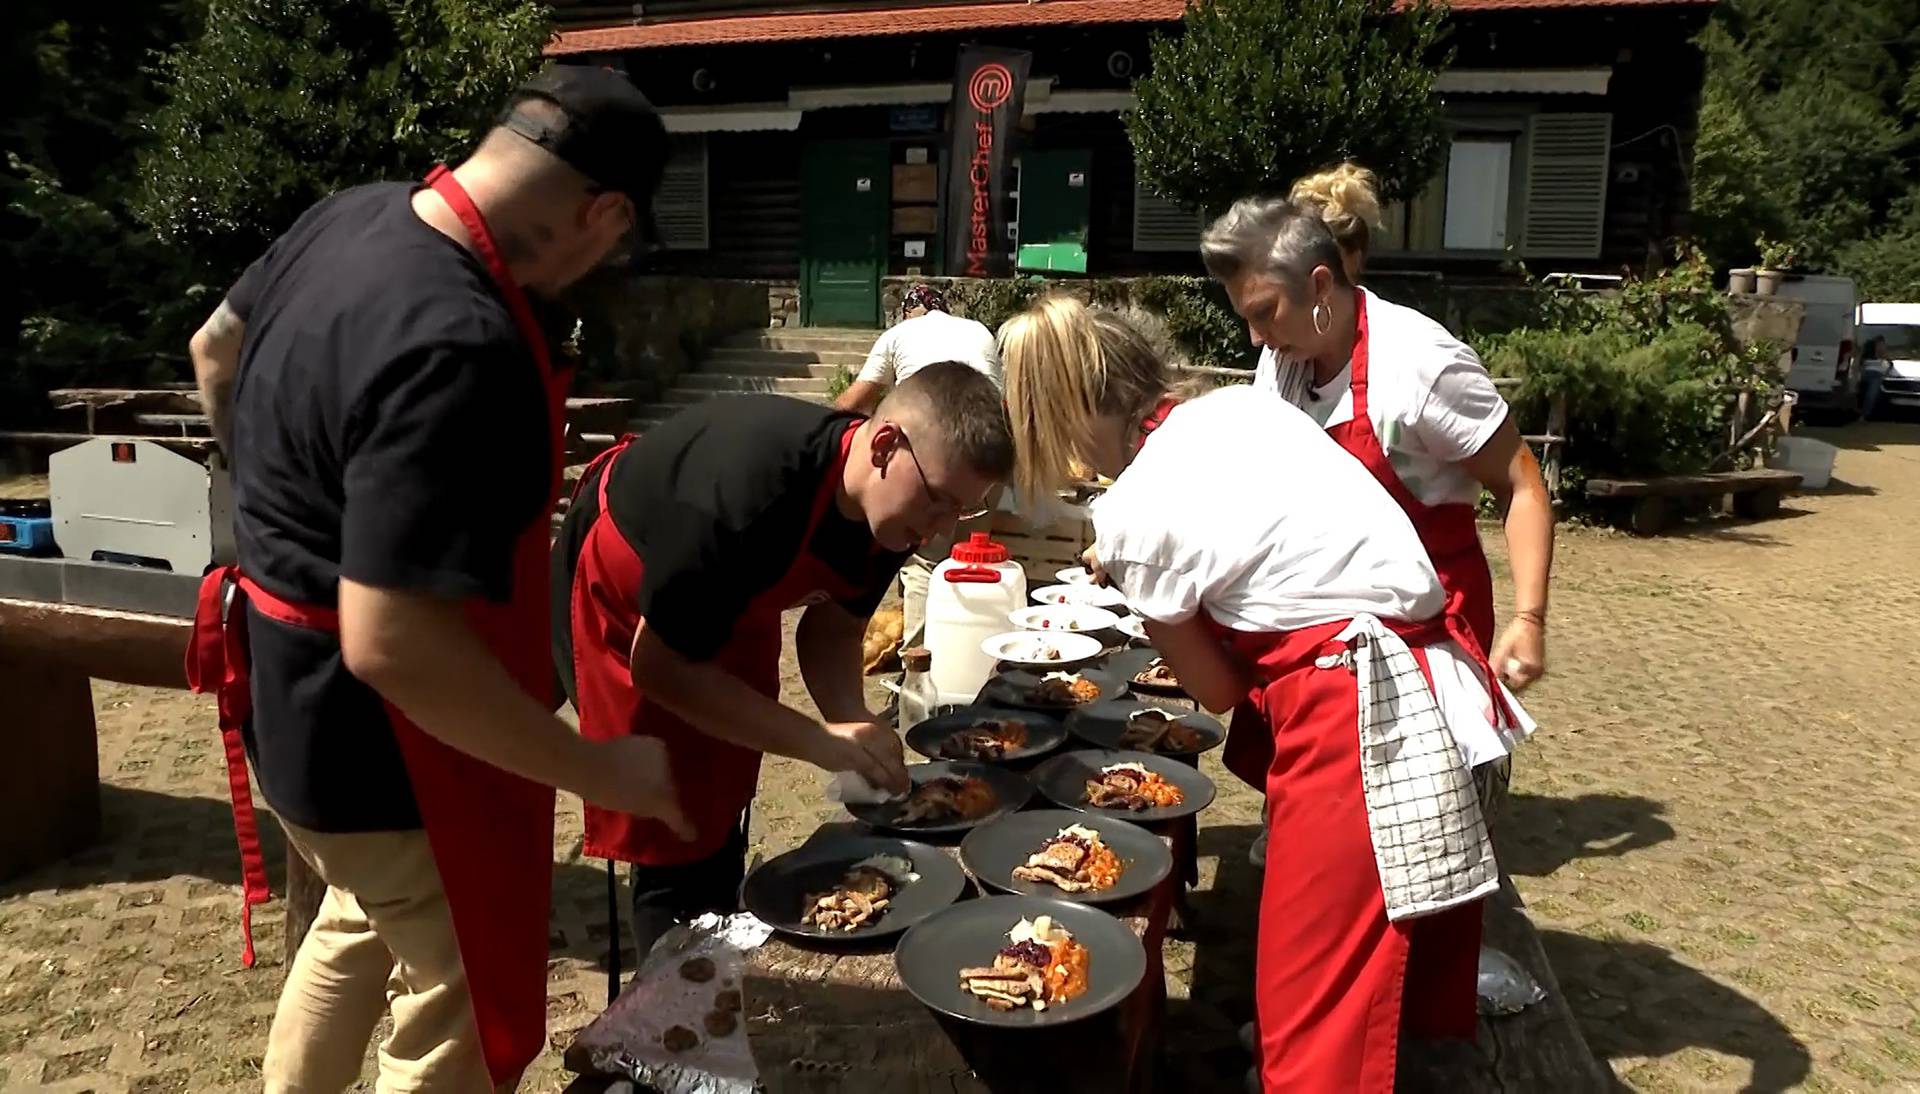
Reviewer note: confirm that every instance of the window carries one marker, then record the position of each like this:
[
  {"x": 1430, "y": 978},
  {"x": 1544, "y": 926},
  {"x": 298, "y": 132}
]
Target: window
[
  {"x": 1162, "y": 225},
  {"x": 1537, "y": 182},
  {"x": 680, "y": 205},
  {"x": 1477, "y": 172}
]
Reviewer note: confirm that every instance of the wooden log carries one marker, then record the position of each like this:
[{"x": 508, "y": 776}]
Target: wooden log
[
  {"x": 1718, "y": 482},
  {"x": 128, "y": 647},
  {"x": 45, "y": 440},
  {"x": 49, "y": 764}
]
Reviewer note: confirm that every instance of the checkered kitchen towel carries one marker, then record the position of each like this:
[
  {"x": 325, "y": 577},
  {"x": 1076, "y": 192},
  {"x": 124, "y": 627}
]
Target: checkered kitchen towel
[{"x": 1429, "y": 835}]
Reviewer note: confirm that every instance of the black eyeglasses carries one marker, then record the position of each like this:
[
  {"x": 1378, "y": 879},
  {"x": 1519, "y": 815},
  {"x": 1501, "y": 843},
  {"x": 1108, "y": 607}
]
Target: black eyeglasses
[{"x": 940, "y": 502}]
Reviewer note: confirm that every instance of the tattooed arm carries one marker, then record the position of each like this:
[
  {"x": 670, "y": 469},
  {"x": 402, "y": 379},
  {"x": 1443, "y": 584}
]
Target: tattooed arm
[{"x": 215, "y": 350}]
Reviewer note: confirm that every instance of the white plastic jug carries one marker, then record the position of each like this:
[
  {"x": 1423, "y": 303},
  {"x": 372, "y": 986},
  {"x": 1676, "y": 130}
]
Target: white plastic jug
[{"x": 968, "y": 602}]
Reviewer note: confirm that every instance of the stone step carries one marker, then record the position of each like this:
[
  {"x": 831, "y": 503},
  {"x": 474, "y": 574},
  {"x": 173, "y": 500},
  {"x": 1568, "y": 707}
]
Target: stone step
[
  {"x": 728, "y": 381},
  {"x": 744, "y": 359},
  {"x": 804, "y": 338},
  {"x": 674, "y": 401}
]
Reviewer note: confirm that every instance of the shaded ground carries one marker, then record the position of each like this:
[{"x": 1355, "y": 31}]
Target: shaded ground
[{"x": 1717, "y": 833}]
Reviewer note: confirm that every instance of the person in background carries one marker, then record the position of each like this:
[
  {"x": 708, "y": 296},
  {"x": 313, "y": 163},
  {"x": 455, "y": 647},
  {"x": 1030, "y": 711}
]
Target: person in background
[
  {"x": 385, "y": 389},
  {"x": 1412, "y": 403},
  {"x": 671, "y": 572},
  {"x": 1305, "y": 585},
  {"x": 1347, "y": 199},
  {"x": 1873, "y": 376},
  {"x": 926, "y": 334}
]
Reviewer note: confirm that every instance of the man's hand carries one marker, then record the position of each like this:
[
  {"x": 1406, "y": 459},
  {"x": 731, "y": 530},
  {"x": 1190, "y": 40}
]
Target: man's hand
[
  {"x": 869, "y": 748},
  {"x": 1092, "y": 563},
  {"x": 631, "y": 775},
  {"x": 1520, "y": 656}
]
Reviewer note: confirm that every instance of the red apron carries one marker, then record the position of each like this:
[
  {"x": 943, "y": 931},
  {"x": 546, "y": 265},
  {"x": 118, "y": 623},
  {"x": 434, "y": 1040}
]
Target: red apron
[
  {"x": 491, "y": 832},
  {"x": 1331, "y": 973},
  {"x": 1450, "y": 533},
  {"x": 716, "y": 778}
]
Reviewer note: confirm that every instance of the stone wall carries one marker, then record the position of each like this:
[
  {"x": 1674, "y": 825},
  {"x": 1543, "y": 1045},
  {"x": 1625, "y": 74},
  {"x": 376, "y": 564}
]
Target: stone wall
[
  {"x": 638, "y": 334},
  {"x": 783, "y": 303}
]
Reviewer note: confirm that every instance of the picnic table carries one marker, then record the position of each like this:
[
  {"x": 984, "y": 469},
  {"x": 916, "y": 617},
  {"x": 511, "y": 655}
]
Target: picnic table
[{"x": 821, "y": 1018}]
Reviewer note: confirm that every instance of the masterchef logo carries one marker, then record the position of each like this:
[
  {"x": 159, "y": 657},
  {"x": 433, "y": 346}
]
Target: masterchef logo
[
  {"x": 991, "y": 85},
  {"x": 987, "y": 90}
]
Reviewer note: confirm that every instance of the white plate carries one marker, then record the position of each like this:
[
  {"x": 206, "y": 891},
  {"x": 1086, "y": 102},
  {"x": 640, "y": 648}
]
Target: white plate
[
  {"x": 1096, "y": 596},
  {"x": 1028, "y": 648},
  {"x": 1074, "y": 575},
  {"x": 1063, "y": 617},
  {"x": 1134, "y": 627}
]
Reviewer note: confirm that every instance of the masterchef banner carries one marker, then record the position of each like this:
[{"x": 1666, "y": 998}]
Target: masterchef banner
[{"x": 988, "y": 91}]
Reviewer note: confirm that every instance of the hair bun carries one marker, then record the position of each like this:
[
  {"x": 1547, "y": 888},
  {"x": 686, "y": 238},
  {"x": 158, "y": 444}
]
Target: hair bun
[{"x": 1347, "y": 197}]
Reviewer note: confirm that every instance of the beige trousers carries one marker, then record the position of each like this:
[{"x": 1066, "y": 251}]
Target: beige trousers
[{"x": 383, "y": 941}]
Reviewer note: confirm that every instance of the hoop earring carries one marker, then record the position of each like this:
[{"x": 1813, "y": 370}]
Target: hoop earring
[{"x": 1322, "y": 319}]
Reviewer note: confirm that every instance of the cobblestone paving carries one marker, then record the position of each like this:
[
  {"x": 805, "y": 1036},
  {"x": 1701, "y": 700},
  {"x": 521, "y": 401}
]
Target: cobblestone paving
[{"x": 1717, "y": 833}]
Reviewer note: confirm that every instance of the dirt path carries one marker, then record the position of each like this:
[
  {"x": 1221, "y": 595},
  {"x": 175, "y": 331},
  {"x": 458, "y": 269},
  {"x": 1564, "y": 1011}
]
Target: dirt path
[{"x": 1717, "y": 832}]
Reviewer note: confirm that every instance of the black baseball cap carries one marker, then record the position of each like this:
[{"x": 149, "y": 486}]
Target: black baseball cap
[{"x": 611, "y": 133}]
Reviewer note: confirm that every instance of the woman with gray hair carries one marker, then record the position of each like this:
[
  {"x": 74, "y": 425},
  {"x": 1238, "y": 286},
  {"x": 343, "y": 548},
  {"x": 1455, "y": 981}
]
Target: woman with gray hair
[{"x": 1427, "y": 422}]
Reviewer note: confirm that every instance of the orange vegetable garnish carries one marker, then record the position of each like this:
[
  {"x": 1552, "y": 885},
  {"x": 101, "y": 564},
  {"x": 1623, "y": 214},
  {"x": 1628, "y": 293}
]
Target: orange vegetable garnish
[
  {"x": 1103, "y": 867},
  {"x": 1067, "y": 971}
]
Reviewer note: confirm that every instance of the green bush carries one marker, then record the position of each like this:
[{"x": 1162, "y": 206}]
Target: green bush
[
  {"x": 1252, "y": 94},
  {"x": 992, "y": 302},
  {"x": 1650, "y": 372}
]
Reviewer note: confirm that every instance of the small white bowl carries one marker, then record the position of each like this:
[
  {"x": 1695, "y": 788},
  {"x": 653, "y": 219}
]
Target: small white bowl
[
  {"x": 1031, "y": 648},
  {"x": 1074, "y": 575},
  {"x": 1093, "y": 596},
  {"x": 1063, "y": 617},
  {"x": 1133, "y": 627}
]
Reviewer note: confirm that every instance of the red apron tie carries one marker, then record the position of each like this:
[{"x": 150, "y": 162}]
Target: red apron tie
[{"x": 217, "y": 662}]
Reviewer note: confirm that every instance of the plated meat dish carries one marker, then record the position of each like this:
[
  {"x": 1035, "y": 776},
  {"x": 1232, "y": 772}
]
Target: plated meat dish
[
  {"x": 1074, "y": 860},
  {"x": 1065, "y": 689},
  {"x": 861, "y": 897},
  {"x": 1156, "y": 730},
  {"x": 1133, "y": 787},
  {"x": 1157, "y": 674},
  {"x": 948, "y": 799},
  {"x": 1043, "y": 966},
  {"x": 985, "y": 741}
]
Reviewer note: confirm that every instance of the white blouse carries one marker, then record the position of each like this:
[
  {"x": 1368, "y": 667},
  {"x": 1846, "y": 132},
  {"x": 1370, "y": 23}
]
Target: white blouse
[
  {"x": 1241, "y": 505},
  {"x": 1430, "y": 400}
]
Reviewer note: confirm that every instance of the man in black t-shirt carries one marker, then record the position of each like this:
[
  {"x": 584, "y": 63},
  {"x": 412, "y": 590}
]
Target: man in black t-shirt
[
  {"x": 383, "y": 387},
  {"x": 678, "y": 557}
]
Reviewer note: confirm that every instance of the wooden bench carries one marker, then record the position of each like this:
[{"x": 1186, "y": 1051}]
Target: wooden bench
[{"x": 1756, "y": 494}]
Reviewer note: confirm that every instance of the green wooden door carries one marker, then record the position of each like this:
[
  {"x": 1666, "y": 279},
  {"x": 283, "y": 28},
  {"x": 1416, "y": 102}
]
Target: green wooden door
[
  {"x": 844, "y": 193},
  {"x": 1055, "y": 209}
]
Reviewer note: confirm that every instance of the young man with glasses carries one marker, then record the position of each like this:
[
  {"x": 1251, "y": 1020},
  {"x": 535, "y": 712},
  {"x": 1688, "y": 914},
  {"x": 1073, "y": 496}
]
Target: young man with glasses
[{"x": 677, "y": 559}]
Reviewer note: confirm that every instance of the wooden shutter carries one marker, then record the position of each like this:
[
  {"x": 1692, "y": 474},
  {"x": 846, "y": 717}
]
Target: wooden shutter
[
  {"x": 1566, "y": 184},
  {"x": 1162, "y": 225},
  {"x": 680, "y": 206}
]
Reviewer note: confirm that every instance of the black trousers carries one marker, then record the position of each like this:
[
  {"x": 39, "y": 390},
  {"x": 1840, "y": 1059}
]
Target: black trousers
[{"x": 664, "y": 896}]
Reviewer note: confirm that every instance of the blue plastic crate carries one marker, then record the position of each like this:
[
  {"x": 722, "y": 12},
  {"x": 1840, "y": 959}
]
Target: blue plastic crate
[{"x": 26, "y": 535}]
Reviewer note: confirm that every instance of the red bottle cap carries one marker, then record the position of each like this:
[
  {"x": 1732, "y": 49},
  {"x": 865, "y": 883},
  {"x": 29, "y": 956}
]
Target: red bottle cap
[{"x": 981, "y": 550}]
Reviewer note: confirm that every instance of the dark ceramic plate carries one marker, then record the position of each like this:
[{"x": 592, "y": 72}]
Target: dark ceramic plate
[
  {"x": 1102, "y": 724},
  {"x": 1044, "y": 733},
  {"x": 969, "y": 934},
  {"x": 1063, "y": 780},
  {"x": 1014, "y": 688},
  {"x": 992, "y": 851},
  {"x": 1010, "y": 789},
  {"x": 777, "y": 890},
  {"x": 1128, "y": 664}
]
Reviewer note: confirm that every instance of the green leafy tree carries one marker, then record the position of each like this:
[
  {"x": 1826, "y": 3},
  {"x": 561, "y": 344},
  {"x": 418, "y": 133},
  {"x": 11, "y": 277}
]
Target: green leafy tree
[
  {"x": 279, "y": 103},
  {"x": 1253, "y": 94},
  {"x": 86, "y": 283},
  {"x": 1810, "y": 134}
]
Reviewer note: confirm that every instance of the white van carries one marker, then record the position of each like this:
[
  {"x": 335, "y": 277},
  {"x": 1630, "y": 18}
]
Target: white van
[
  {"x": 1826, "y": 371},
  {"x": 1890, "y": 339}
]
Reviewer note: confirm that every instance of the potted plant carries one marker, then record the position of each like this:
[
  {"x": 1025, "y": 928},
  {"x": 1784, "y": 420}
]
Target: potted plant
[
  {"x": 1740, "y": 280},
  {"x": 1775, "y": 258}
]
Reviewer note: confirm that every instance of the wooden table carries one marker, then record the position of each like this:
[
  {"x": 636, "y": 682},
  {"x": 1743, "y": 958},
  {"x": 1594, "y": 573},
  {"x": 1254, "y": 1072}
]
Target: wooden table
[{"x": 827, "y": 1020}]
